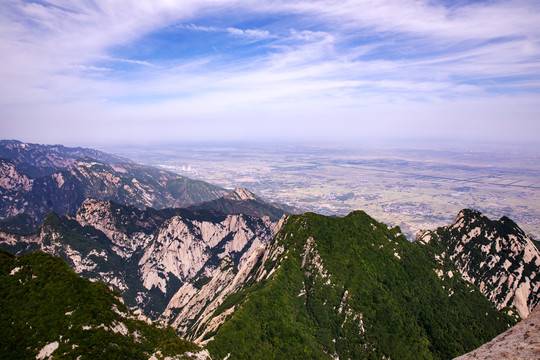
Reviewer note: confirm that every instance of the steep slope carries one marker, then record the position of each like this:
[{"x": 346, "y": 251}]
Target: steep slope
[
  {"x": 243, "y": 201},
  {"x": 147, "y": 254},
  {"x": 340, "y": 287},
  {"x": 196, "y": 309},
  {"x": 66, "y": 316},
  {"x": 521, "y": 342},
  {"x": 64, "y": 190},
  {"x": 496, "y": 256}
]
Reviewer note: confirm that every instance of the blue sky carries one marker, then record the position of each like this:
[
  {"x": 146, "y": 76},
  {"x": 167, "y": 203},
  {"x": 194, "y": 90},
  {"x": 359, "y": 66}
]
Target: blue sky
[{"x": 117, "y": 71}]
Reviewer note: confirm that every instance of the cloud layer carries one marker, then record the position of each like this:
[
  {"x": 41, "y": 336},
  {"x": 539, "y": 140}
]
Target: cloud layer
[{"x": 125, "y": 71}]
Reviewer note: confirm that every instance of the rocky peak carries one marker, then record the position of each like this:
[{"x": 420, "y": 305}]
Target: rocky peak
[
  {"x": 241, "y": 194},
  {"x": 11, "y": 179},
  {"x": 518, "y": 342},
  {"x": 98, "y": 214},
  {"x": 497, "y": 256},
  {"x": 467, "y": 217}
]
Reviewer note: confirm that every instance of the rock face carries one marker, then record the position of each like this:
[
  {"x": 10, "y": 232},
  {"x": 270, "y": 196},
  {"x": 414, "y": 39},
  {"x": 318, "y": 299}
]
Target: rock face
[
  {"x": 192, "y": 310},
  {"x": 63, "y": 185},
  {"x": 521, "y": 342},
  {"x": 242, "y": 194},
  {"x": 333, "y": 288},
  {"x": 147, "y": 254},
  {"x": 496, "y": 256},
  {"x": 186, "y": 247}
]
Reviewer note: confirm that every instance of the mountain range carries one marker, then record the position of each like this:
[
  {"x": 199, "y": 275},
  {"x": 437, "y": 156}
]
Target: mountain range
[
  {"x": 147, "y": 254},
  {"x": 35, "y": 179},
  {"x": 241, "y": 276},
  {"x": 304, "y": 296}
]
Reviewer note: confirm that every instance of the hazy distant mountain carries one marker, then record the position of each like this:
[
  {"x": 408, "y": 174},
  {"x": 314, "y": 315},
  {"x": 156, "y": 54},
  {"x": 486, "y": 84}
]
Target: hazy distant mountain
[
  {"x": 43, "y": 178},
  {"x": 47, "y": 310},
  {"x": 243, "y": 201},
  {"x": 147, "y": 254},
  {"x": 46, "y": 159}
]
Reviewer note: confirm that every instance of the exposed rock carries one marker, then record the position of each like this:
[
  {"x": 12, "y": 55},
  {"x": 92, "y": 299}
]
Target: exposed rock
[
  {"x": 141, "y": 251},
  {"x": 192, "y": 310},
  {"x": 242, "y": 201},
  {"x": 497, "y": 256},
  {"x": 242, "y": 194},
  {"x": 520, "y": 342},
  {"x": 183, "y": 247}
]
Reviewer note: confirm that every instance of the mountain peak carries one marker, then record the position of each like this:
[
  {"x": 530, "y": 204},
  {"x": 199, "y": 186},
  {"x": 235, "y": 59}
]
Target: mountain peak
[
  {"x": 488, "y": 253},
  {"x": 241, "y": 194}
]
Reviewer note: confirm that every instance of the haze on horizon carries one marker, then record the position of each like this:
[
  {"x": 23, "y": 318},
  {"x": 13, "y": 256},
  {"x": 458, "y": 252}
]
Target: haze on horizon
[{"x": 101, "y": 71}]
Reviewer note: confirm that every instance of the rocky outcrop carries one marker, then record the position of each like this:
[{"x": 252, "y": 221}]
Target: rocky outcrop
[
  {"x": 497, "y": 256},
  {"x": 243, "y": 201},
  {"x": 147, "y": 254},
  {"x": 193, "y": 309},
  {"x": 518, "y": 343},
  {"x": 185, "y": 247},
  {"x": 242, "y": 194}
]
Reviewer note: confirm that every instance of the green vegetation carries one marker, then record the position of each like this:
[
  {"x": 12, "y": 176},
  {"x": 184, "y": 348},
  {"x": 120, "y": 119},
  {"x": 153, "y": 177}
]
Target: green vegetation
[
  {"x": 21, "y": 223},
  {"x": 43, "y": 301},
  {"x": 378, "y": 295}
]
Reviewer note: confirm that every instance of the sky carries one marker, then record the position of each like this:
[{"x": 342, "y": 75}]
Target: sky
[{"x": 118, "y": 71}]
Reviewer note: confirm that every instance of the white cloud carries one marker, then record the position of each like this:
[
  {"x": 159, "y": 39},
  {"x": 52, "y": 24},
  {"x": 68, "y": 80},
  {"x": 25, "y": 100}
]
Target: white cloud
[
  {"x": 250, "y": 33},
  {"x": 199, "y": 28},
  {"x": 133, "y": 61},
  {"x": 342, "y": 57}
]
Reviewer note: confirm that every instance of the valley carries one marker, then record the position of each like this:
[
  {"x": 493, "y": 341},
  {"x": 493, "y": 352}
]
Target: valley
[{"x": 413, "y": 187}]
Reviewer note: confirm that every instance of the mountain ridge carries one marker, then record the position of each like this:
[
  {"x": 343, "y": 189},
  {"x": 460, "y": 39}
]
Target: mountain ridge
[
  {"x": 67, "y": 316},
  {"x": 382, "y": 297},
  {"x": 147, "y": 254},
  {"x": 305, "y": 262},
  {"x": 485, "y": 252},
  {"x": 226, "y": 274},
  {"x": 61, "y": 182},
  {"x": 243, "y": 201}
]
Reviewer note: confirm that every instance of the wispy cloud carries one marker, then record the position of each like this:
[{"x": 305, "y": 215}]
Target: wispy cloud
[
  {"x": 133, "y": 61},
  {"x": 249, "y": 33},
  {"x": 295, "y": 59},
  {"x": 199, "y": 28}
]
